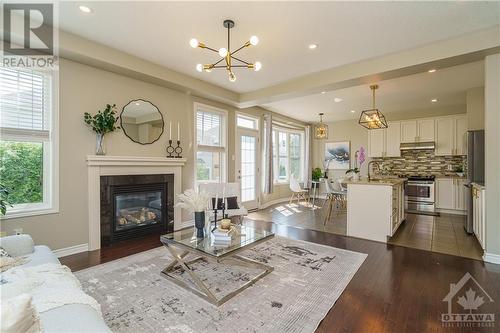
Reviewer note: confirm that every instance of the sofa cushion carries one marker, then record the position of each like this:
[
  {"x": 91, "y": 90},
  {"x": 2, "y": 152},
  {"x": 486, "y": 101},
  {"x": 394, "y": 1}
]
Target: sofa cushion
[
  {"x": 17, "y": 245},
  {"x": 41, "y": 255},
  {"x": 82, "y": 318}
]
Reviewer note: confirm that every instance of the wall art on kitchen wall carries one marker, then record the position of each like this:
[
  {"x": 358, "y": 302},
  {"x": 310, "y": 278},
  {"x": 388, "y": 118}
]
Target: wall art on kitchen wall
[{"x": 339, "y": 155}]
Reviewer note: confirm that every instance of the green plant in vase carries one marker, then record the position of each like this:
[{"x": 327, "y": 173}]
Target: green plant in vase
[{"x": 102, "y": 122}]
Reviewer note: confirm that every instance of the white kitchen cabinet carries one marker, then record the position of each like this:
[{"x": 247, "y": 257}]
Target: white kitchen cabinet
[
  {"x": 460, "y": 125},
  {"x": 408, "y": 131},
  {"x": 450, "y": 194},
  {"x": 393, "y": 139},
  {"x": 478, "y": 214},
  {"x": 444, "y": 136},
  {"x": 376, "y": 142},
  {"x": 451, "y": 134},
  {"x": 445, "y": 198},
  {"x": 385, "y": 142},
  {"x": 425, "y": 130}
]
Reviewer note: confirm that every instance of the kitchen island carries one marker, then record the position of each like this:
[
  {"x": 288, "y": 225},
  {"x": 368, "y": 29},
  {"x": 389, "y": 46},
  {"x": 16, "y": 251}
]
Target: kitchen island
[{"x": 375, "y": 208}]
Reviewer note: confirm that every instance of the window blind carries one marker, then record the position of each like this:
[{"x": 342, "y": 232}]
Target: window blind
[
  {"x": 209, "y": 128},
  {"x": 24, "y": 103}
]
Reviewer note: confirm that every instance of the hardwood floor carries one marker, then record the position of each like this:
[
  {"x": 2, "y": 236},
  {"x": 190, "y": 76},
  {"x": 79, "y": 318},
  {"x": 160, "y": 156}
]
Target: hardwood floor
[{"x": 397, "y": 289}]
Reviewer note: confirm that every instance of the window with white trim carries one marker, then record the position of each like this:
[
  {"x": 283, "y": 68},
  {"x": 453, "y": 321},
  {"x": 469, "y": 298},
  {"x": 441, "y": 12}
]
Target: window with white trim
[
  {"x": 211, "y": 145},
  {"x": 27, "y": 147},
  {"x": 288, "y": 154}
]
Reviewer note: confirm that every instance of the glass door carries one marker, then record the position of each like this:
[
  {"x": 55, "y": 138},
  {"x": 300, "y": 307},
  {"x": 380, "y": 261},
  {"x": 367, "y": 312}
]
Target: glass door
[{"x": 247, "y": 167}]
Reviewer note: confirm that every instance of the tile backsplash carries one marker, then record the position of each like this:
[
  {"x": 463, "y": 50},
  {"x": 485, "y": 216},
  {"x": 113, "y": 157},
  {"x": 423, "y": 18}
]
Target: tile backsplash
[{"x": 421, "y": 162}]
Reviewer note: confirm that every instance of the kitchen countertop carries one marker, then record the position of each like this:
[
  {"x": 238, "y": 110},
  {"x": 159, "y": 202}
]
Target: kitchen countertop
[
  {"x": 478, "y": 185},
  {"x": 378, "y": 181},
  {"x": 451, "y": 177}
]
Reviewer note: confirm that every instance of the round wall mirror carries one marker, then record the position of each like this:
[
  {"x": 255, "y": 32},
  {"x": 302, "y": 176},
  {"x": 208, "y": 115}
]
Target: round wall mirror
[{"x": 142, "y": 121}]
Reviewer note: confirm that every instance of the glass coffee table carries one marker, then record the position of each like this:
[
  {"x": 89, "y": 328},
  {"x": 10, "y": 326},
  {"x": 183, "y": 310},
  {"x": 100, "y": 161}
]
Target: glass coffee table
[{"x": 183, "y": 242}]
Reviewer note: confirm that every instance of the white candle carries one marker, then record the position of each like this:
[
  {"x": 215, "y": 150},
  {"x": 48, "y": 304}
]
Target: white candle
[
  {"x": 224, "y": 194},
  {"x": 170, "y": 131},
  {"x": 216, "y": 201},
  {"x": 178, "y": 132}
]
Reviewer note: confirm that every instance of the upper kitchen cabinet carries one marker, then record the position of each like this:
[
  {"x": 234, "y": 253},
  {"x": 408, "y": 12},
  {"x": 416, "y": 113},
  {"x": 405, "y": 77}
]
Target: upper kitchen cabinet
[
  {"x": 419, "y": 130},
  {"x": 451, "y": 134},
  {"x": 385, "y": 142}
]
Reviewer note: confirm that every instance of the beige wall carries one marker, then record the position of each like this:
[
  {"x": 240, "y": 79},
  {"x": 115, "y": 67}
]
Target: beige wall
[
  {"x": 475, "y": 108},
  {"x": 350, "y": 130},
  {"x": 84, "y": 88}
]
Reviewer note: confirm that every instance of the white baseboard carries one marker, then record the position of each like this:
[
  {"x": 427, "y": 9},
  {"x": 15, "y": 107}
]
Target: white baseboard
[
  {"x": 451, "y": 211},
  {"x": 491, "y": 258},
  {"x": 71, "y": 250},
  {"x": 274, "y": 202}
]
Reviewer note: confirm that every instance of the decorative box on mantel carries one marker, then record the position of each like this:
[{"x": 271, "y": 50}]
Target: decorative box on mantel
[{"x": 103, "y": 165}]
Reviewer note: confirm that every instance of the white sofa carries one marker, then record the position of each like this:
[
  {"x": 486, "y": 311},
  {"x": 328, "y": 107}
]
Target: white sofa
[{"x": 67, "y": 318}]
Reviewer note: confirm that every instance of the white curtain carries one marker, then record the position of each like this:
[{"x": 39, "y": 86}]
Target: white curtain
[
  {"x": 307, "y": 169},
  {"x": 268, "y": 154}
]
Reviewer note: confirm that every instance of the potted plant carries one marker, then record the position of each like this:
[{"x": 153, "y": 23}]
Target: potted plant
[
  {"x": 359, "y": 157},
  {"x": 459, "y": 170},
  {"x": 354, "y": 173},
  {"x": 102, "y": 123},
  {"x": 316, "y": 175},
  {"x": 195, "y": 203},
  {"x": 4, "y": 193}
]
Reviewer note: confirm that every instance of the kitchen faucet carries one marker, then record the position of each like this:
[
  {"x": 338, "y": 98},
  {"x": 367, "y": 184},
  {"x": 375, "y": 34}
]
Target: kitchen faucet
[{"x": 370, "y": 163}]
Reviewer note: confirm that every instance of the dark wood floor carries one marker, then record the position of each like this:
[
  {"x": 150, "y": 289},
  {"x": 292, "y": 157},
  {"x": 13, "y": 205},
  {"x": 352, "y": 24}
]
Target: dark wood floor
[{"x": 397, "y": 289}]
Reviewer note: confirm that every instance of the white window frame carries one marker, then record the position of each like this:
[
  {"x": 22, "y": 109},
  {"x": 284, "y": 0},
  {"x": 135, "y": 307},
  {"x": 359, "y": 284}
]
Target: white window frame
[
  {"x": 288, "y": 131},
  {"x": 224, "y": 168},
  {"x": 50, "y": 204},
  {"x": 255, "y": 119}
]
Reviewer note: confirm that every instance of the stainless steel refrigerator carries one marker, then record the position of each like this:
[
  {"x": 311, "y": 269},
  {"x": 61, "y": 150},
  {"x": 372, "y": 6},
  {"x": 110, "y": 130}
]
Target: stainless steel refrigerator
[{"x": 475, "y": 171}]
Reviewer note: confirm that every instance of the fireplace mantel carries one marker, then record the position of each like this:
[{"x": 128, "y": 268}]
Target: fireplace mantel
[{"x": 98, "y": 166}]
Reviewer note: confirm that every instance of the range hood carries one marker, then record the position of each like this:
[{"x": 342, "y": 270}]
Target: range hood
[{"x": 431, "y": 145}]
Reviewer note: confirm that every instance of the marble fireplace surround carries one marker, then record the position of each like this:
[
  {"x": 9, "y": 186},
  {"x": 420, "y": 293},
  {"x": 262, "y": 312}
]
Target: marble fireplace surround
[{"x": 98, "y": 166}]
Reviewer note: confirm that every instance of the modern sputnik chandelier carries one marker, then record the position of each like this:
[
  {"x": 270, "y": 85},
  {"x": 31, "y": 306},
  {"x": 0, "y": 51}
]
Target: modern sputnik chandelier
[
  {"x": 227, "y": 55},
  {"x": 372, "y": 118}
]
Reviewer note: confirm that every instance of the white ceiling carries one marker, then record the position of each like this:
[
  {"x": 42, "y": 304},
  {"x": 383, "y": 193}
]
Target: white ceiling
[
  {"x": 406, "y": 93},
  {"x": 345, "y": 31}
]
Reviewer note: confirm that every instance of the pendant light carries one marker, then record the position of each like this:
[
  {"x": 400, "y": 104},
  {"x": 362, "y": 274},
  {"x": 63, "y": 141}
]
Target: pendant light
[
  {"x": 321, "y": 129},
  {"x": 372, "y": 118}
]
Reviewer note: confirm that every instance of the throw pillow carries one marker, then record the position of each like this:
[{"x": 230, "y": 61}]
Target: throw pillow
[
  {"x": 19, "y": 315},
  {"x": 232, "y": 202},
  {"x": 219, "y": 203},
  {"x": 9, "y": 262},
  {"x": 4, "y": 253}
]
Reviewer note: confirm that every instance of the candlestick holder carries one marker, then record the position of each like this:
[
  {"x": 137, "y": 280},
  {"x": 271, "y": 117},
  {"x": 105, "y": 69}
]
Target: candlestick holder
[
  {"x": 216, "y": 209},
  {"x": 170, "y": 149},
  {"x": 178, "y": 149}
]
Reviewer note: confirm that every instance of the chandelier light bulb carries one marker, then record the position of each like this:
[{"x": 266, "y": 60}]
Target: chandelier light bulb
[
  {"x": 257, "y": 66},
  {"x": 194, "y": 43},
  {"x": 254, "y": 40},
  {"x": 199, "y": 68},
  {"x": 232, "y": 77},
  {"x": 223, "y": 52}
]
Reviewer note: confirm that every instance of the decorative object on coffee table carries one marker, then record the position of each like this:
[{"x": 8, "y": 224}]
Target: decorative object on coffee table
[
  {"x": 195, "y": 203},
  {"x": 103, "y": 122}
]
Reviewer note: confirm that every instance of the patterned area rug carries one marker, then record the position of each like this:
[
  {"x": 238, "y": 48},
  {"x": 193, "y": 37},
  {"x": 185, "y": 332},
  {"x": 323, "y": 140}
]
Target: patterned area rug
[{"x": 306, "y": 282}]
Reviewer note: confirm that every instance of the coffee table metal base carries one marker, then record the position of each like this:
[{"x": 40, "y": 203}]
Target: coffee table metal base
[{"x": 202, "y": 290}]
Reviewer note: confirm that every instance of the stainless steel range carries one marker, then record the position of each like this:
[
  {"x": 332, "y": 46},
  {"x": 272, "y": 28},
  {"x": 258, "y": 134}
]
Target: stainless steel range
[{"x": 419, "y": 195}]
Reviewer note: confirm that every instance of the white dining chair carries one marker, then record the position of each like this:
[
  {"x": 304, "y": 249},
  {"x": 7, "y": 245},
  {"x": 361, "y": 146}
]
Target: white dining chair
[{"x": 297, "y": 191}]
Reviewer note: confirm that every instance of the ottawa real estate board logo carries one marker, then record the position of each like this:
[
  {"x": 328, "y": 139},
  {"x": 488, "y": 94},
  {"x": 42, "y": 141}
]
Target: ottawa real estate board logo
[
  {"x": 28, "y": 35},
  {"x": 468, "y": 303}
]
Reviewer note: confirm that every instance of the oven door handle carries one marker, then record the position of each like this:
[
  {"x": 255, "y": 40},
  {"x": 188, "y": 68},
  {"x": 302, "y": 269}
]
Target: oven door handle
[{"x": 426, "y": 183}]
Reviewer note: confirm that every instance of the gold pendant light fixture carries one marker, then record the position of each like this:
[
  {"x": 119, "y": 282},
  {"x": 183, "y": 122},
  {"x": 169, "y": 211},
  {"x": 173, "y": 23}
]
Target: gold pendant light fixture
[
  {"x": 372, "y": 118},
  {"x": 321, "y": 129},
  {"x": 227, "y": 55}
]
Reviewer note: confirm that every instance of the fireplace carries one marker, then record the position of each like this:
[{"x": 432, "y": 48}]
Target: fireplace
[{"x": 135, "y": 206}]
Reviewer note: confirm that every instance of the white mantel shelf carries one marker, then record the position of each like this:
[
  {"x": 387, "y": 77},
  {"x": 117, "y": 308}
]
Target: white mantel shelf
[
  {"x": 133, "y": 161},
  {"x": 104, "y": 165}
]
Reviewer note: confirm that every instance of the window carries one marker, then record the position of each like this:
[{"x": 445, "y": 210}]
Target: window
[
  {"x": 210, "y": 144},
  {"x": 247, "y": 122},
  {"x": 28, "y": 145},
  {"x": 288, "y": 156}
]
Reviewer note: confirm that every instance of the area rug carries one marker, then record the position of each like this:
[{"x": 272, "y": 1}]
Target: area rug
[{"x": 306, "y": 282}]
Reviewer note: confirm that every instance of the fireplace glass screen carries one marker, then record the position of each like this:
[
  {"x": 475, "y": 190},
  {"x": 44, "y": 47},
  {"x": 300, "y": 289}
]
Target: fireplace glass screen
[{"x": 137, "y": 209}]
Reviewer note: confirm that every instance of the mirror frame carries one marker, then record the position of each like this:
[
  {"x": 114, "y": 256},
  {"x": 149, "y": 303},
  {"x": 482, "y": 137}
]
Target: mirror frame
[{"x": 161, "y": 115}]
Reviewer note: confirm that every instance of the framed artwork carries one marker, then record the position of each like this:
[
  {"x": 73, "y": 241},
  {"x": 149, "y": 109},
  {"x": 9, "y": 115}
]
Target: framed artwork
[{"x": 338, "y": 155}]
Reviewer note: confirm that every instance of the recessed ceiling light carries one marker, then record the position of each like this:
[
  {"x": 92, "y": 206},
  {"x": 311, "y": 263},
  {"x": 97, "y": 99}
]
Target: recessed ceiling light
[
  {"x": 431, "y": 70},
  {"x": 85, "y": 9},
  {"x": 313, "y": 46},
  {"x": 323, "y": 92},
  {"x": 353, "y": 111},
  {"x": 337, "y": 99},
  {"x": 434, "y": 100},
  {"x": 137, "y": 103}
]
